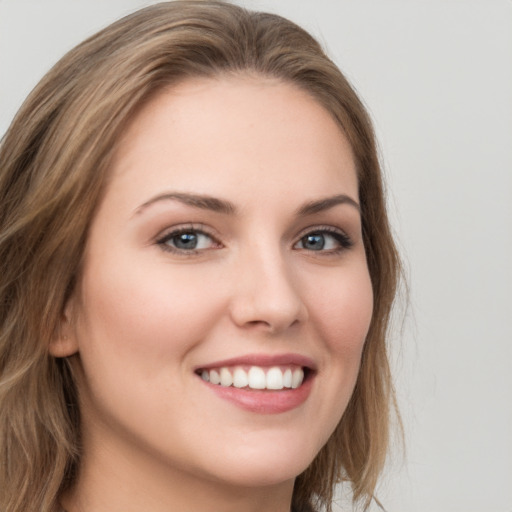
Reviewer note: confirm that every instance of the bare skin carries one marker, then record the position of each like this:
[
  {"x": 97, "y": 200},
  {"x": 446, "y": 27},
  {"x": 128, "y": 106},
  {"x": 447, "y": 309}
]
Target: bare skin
[{"x": 230, "y": 231}]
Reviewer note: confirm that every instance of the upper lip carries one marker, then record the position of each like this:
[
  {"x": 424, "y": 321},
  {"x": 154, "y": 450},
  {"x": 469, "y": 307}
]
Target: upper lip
[{"x": 263, "y": 360}]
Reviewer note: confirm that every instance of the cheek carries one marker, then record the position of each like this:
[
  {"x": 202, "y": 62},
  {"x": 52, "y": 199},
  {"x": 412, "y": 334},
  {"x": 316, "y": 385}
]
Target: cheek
[
  {"x": 342, "y": 309},
  {"x": 138, "y": 313},
  {"x": 340, "y": 312}
]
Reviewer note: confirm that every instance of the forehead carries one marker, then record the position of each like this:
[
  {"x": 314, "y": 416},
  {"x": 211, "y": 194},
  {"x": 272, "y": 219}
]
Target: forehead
[{"x": 234, "y": 133}]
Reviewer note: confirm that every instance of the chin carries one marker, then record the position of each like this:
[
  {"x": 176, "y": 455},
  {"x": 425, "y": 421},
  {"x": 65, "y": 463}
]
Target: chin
[
  {"x": 266, "y": 466},
  {"x": 260, "y": 475}
]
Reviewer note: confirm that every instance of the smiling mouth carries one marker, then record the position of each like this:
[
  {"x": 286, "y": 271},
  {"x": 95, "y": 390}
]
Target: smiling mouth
[{"x": 274, "y": 378}]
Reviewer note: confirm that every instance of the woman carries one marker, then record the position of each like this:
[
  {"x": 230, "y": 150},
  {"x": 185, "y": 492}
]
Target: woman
[{"x": 197, "y": 274}]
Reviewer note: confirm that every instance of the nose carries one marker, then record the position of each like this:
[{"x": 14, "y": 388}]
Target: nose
[{"x": 266, "y": 296}]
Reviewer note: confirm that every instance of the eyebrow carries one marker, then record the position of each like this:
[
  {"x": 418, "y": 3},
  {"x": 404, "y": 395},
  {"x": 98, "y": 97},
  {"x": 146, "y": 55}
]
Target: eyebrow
[
  {"x": 217, "y": 205},
  {"x": 326, "y": 203},
  {"x": 195, "y": 200}
]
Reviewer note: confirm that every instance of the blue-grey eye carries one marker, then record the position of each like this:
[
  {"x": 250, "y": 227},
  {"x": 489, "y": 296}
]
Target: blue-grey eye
[
  {"x": 185, "y": 241},
  {"x": 313, "y": 242},
  {"x": 188, "y": 241},
  {"x": 323, "y": 241}
]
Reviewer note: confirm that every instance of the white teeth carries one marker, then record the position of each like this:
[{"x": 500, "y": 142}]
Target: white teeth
[
  {"x": 214, "y": 377},
  {"x": 287, "y": 378},
  {"x": 257, "y": 378},
  {"x": 274, "y": 378},
  {"x": 297, "y": 377},
  {"x": 240, "y": 379},
  {"x": 226, "y": 378}
]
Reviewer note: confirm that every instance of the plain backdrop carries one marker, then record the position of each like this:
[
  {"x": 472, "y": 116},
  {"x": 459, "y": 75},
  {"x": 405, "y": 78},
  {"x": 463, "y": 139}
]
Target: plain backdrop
[{"x": 437, "y": 78}]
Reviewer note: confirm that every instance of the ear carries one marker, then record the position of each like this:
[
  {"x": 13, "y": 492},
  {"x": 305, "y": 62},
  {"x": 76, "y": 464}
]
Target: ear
[{"x": 64, "y": 342}]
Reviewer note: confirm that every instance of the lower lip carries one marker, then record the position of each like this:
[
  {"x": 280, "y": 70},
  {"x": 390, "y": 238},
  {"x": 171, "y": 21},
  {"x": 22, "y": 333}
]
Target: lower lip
[{"x": 264, "y": 401}]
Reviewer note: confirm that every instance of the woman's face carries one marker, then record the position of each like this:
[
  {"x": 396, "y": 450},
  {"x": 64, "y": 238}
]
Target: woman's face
[{"x": 227, "y": 247}]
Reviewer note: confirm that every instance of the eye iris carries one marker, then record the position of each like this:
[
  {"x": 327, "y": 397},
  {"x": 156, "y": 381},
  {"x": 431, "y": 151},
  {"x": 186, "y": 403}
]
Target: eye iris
[
  {"x": 185, "y": 241},
  {"x": 314, "y": 242}
]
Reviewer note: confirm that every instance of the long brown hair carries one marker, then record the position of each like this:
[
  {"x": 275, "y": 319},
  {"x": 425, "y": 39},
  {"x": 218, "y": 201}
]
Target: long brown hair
[{"x": 54, "y": 162}]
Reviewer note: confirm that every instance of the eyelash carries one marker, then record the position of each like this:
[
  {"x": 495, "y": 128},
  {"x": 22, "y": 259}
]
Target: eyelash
[
  {"x": 185, "y": 230},
  {"x": 342, "y": 239}
]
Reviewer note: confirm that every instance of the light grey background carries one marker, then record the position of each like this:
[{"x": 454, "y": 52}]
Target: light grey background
[{"x": 437, "y": 77}]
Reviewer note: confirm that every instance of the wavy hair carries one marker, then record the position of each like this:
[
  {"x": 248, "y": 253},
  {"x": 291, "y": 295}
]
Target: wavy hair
[{"x": 54, "y": 162}]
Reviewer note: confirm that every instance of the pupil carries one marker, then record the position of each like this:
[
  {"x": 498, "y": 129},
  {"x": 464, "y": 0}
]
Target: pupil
[
  {"x": 186, "y": 241},
  {"x": 315, "y": 242}
]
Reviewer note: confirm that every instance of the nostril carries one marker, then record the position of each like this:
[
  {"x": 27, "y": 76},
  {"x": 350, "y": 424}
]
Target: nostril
[{"x": 273, "y": 318}]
